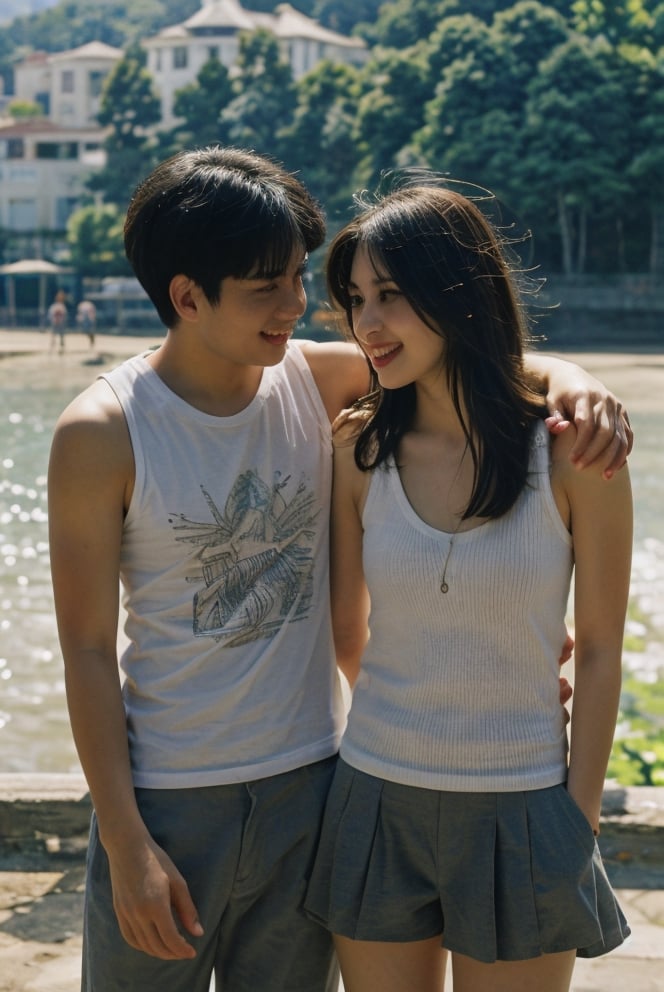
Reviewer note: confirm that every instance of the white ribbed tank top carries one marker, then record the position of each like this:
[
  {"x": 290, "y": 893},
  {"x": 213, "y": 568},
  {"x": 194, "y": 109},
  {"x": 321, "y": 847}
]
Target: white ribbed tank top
[{"x": 460, "y": 691}]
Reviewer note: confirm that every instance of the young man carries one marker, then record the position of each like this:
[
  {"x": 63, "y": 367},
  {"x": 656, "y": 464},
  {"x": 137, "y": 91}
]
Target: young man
[{"x": 198, "y": 478}]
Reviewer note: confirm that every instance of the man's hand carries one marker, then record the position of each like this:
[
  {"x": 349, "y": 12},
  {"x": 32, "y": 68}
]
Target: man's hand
[
  {"x": 565, "y": 688},
  {"x": 604, "y": 434},
  {"x": 150, "y": 896}
]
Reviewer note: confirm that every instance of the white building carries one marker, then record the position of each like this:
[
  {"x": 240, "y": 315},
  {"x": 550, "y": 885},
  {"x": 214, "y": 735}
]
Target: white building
[
  {"x": 177, "y": 54},
  {"x": 68, "y": 85},
  {"x": 42, "y": 171},
  {"x": 44, "y": 162}
]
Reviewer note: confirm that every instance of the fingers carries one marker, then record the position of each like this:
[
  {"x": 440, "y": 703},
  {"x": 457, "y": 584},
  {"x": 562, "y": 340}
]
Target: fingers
[
  {"x": 565, "y": 691},
  {"x": 154, "y": 906},
  {"x": 567, "y": 650},
  {"x": 184, "y": 908},
  {"x": 604, "y": 436},
  {"x": 557, "y": 423},
  {"x": 158, "y": 937}
]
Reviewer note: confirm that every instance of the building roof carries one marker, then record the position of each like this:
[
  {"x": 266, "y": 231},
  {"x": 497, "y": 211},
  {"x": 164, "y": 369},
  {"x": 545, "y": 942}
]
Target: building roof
[
  {"x": 93, "y": 50},
  {"x": 285, "y": 22},
  {"x": 292, "y": 23},
  {"x": 43, "y": 127},
  {"x": 222, "y": 14}
]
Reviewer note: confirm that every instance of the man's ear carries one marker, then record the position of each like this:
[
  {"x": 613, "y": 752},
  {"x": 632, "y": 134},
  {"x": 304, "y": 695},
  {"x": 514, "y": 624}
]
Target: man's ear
[{"x": 184, "y": 295}]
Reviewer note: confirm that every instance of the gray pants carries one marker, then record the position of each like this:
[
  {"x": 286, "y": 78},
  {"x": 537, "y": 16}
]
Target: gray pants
[{"x": 245, "y": 852}]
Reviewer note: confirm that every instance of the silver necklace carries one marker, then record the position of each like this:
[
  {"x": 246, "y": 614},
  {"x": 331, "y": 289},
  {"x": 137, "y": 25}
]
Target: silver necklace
[{"x": 444, "y": 587}]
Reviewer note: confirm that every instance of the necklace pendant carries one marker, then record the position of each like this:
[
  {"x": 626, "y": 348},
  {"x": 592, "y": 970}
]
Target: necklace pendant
[{"x": 444, "y": 586}]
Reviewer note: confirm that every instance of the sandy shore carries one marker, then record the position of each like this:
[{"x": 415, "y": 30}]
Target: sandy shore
[{"x": 636, "y": 377}]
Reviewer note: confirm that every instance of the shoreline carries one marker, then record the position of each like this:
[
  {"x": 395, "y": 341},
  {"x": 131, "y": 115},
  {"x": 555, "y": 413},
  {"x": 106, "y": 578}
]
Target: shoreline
[{"x": 635, "y": 375}]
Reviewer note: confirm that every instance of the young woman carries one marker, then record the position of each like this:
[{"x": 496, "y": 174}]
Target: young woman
[{"x": 458, "y": 819}]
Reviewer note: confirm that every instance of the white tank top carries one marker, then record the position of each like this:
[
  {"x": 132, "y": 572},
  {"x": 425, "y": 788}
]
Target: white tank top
[
  {"x": 460, "y": 691},
  {"x": 230, "y": 671}
]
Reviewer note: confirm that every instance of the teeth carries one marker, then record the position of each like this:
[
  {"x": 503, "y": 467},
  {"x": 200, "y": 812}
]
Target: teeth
[{"x": 381, "y": 352}]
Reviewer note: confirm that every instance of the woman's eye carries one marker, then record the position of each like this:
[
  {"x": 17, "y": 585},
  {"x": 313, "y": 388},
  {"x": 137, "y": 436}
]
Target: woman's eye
[{"x": 355, "y": 301}]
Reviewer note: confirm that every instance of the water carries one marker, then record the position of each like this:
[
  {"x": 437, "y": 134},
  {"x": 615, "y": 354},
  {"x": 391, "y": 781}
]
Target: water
[{"x": 34, "y": 729}]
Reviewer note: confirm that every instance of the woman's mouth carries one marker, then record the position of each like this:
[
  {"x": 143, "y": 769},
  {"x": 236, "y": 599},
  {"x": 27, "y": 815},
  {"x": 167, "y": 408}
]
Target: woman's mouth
[{"x": 384, "y": 354}]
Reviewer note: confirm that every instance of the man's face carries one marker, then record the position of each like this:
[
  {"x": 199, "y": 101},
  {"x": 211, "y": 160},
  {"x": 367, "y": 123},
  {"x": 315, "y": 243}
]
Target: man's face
[{"x": 255, "y": 318}]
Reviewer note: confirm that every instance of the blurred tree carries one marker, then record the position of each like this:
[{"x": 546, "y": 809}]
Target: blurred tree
[
  {"x": 94, "y": 235},
  {"x": 200, "y": 105},
  {"x": 576, "y": 119},
  {"x": 474, "y": 113},
  {"x": 646, "y": 165},
  {"x": 342, "y": 15},
  {"x": 531, "y": 30},
  {"x": 265, "y": 99},
  {"x": 617, "y": 20},
  {"x": 320, "y": 141},
  {"x": 129, "y": 108},
  {"x": 391, "y": 108},
  {"x": 71, "y": 23}
]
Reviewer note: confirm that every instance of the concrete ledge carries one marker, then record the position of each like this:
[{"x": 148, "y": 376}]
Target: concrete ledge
[
  {"x": 36, "y": 808},
  {"x": 51, "y": 814}
]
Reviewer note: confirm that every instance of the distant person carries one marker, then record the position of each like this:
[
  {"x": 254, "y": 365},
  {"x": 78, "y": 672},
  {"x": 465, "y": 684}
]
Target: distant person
[
  {"x": 86, "y": 318},
  {"x": 57, "y": 318},
  {"x": 198, "y": 477}
]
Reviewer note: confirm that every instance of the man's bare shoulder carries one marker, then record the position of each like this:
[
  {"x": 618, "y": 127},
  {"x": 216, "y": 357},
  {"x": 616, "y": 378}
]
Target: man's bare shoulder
[
  {"x": 340, "y": 371},
  {"x": 94, "y": 417}
]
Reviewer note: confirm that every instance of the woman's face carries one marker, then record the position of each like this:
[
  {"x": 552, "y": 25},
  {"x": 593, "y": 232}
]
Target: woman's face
[{"x": 400, "y": 346}]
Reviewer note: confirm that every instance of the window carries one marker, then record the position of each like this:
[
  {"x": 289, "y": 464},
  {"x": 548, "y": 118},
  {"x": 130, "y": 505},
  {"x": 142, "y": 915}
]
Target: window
[
  {"x": 67, "y": 81},
  {"x": 213, "y": 52},
  {"x": 180, "y": 59},
  {"x": 56, "y": 149},
  {"x": 22, "y": 215},
  {"x": 64, "y": 208},
  {"x": 15, "y": 148},
  {"x": 96, "y": 82}
]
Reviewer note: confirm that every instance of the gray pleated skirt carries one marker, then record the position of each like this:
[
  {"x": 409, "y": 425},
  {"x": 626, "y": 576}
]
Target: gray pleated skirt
[{"x": 501, "y": 876}]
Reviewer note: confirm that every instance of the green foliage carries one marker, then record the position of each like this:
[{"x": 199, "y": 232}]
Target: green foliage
[
  {"x": 71, "y": 23},
  {"x": 201, "y": 103},
  {"x": 637, "y": 757},
  {"x": 340, "y": 15},
  {"x": 264, "y": 101},
  {"x": 320, "y": 141},
  {"x": 94, "y": 235},
  {"x": 390, "y": 109},
  {"x": 129, "y": 107},
  {"x": 618, "y": 20},
  {"x": 24, "y": 110}
]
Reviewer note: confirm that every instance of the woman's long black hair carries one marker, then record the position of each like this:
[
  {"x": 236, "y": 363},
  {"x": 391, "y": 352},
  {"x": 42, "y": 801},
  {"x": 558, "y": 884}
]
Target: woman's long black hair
[{"x": 450, "y": 264}]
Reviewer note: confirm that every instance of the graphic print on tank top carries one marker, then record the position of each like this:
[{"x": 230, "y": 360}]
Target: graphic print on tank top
[{"x": 256, "y": 559}]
